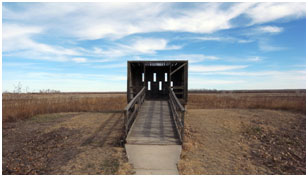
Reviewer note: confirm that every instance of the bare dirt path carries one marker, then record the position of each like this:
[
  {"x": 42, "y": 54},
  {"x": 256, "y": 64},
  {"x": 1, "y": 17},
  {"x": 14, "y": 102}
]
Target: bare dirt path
[
  {"x": 65, "y": 143},
  {"x": 243, "y": 141}
]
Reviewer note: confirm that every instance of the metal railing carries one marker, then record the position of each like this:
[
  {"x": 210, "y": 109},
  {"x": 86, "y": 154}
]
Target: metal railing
[
  {"x": 132, "y": 109},
  {"x": 178, "y": 113}
]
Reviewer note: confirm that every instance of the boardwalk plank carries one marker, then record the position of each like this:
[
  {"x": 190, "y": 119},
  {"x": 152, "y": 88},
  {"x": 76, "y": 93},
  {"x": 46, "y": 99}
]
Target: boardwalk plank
[{"x": 154, "y": 125}]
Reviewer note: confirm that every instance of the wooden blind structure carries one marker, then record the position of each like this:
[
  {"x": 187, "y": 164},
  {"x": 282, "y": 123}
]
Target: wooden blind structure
[{"x": 158, "y": 77}]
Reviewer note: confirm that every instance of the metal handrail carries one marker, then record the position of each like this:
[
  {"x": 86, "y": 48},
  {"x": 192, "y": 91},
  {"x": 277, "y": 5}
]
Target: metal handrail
[
  {"x": 132, "y": 109},
  {"x": 178, "y": 113}
]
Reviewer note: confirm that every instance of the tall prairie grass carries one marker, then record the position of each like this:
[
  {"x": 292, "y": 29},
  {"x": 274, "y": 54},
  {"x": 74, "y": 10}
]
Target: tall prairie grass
[
  {"x": 284, "y": 101},
  {"x": 22, "y": 106},
  {"x": 16, "y": 106}
]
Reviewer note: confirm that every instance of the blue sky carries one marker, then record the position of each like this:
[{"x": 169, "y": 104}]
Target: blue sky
[{"x": 85, "y": 46}]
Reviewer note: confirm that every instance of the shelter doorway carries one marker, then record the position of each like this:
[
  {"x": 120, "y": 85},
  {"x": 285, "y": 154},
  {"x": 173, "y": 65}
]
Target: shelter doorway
[
  {"x": 156, "y": 78},
  {"x": 157, "y": 87}
]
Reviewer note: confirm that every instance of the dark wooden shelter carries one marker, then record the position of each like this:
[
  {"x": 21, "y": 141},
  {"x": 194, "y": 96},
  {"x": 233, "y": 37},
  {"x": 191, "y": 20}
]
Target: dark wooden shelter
[
  {"x": 156, "y": 77},
  {"x": 156, "y": 96}
]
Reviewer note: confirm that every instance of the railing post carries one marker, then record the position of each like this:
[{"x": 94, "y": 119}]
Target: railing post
[
  {"x": 125, "y": 122},
  {"x": 131, "y": 109},
  {"x": 178, "y": 112}
]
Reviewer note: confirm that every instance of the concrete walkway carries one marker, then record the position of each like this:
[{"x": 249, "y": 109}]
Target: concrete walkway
[{"x": 154, "y": 159}]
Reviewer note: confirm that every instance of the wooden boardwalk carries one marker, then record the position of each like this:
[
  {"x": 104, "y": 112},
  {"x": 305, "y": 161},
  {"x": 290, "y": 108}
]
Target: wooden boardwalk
[{"x": 153, "y": 125}]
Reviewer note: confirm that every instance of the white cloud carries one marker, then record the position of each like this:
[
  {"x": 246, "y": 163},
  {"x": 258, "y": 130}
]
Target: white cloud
[
  {"x": 116, "y": 65},
  {"x": 10, "y": 31},
  {"x": 223, "y": 39},
  {"x": 213, "y": 68},
  {"x": 267, "y": 12},
  {"x": 79, "y": 60},
  {"x": 264, "y": 45},
  {"x": 245, "y": 73},
  {"x": 270, "y": 29},
  {"x": 206, "y": 18},
  {"x": 192, "y": 58},
  {"x": 15, "y": 37},
  {"x": 210, "y": 38},
  {"x": 136, "y": 47},
  {"x": 210, "y": 57},
  {"x": 291, "y": 79},
  {"x": 150, "y": 45},
  {"x": 17, "y": 41},
  {"x": 115, "y": 20},
  {"x": 255, "y": 59},
  {"x": 244, "y": 40},
  {"x": 130, "y": 18},
  {"x": 75, "y": 76}
]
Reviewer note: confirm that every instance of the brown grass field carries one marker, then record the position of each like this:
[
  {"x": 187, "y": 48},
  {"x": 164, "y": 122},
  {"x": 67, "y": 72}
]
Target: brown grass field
[
  {"x": 23, "y": 106},
  {"x": 292, "y": 101},
  {"x": 225, "y": 133},
  {"x": 243, "y": 141},
  {"x": 65, "y": 143}
]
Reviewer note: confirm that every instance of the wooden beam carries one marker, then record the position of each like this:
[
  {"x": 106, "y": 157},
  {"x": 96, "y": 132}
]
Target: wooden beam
[
  {"x": 128, "y": 82},
  {"x": 178, "y": 68},
  {"x": 178, "y": 87},
  {"x": 185, "y": 83}
]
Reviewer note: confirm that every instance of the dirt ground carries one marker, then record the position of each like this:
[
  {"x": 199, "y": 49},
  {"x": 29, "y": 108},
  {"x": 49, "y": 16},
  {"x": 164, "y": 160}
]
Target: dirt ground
[
  {"x": 243, "y": 141},
  {"x": 65, "y": 143}
]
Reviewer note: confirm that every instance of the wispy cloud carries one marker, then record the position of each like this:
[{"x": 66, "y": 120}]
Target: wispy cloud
[
  {"x": 211, "y": 38},
  {"x": 290, "y": 79},
  {"x": 289, "y": 74},
  {"x": 80, "y": 60},
  {"x": 150, "y": 45},
  {"x": 192, "y": 58},
  {"x": 17, "y": 40},
  {"x": 151, "y": 17},
  {"x": 220, "y": 41},
  {"x": 201, "y": 68},
  {"x": 267, "y": 12},
  {"x": 270, "y": 29},
  {"x": 223, "y": 39},
  {"x": 132, "y": 18},
  {"x": 135, "y": 47},
  {"x": 255, "y": 59},
  {"x": 265, "y": 45},
  {"x": 115, "y": 65},
  {"x": 64, "y": 76}
]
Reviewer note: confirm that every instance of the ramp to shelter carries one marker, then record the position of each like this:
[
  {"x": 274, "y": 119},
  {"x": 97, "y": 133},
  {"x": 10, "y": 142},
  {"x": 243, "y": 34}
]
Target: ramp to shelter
[{"x": 153, "y": 125}]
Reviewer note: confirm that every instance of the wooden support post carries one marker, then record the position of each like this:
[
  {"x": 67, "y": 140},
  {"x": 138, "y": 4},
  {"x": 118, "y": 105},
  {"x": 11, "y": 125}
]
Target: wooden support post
[
  {"x": 128, "y": 82},
  {"x": 169, "y": 75},
  {"x": 185, "y": 82}
]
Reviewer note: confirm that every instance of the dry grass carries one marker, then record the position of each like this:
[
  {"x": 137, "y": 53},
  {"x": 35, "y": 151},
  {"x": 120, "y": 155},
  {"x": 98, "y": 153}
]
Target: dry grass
[
  {"x": 243, "y": 142},
  {"x": 65, "y": 143},
  {"x": 295, "y": 101},
  {"x": 23, "y": 106},
  {"x": 216, "y": 141}
]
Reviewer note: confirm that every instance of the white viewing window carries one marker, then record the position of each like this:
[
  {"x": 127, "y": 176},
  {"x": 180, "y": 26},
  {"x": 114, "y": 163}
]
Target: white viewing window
[
  {"x": 171, "y": 85},
  {"x": 142, "y": 77},
  {"x": 166, "y": 77},
  {"x": 149, "y": 85},
  {"x": 160, "y": 85},
  {"x": 154, "y": 77}
]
